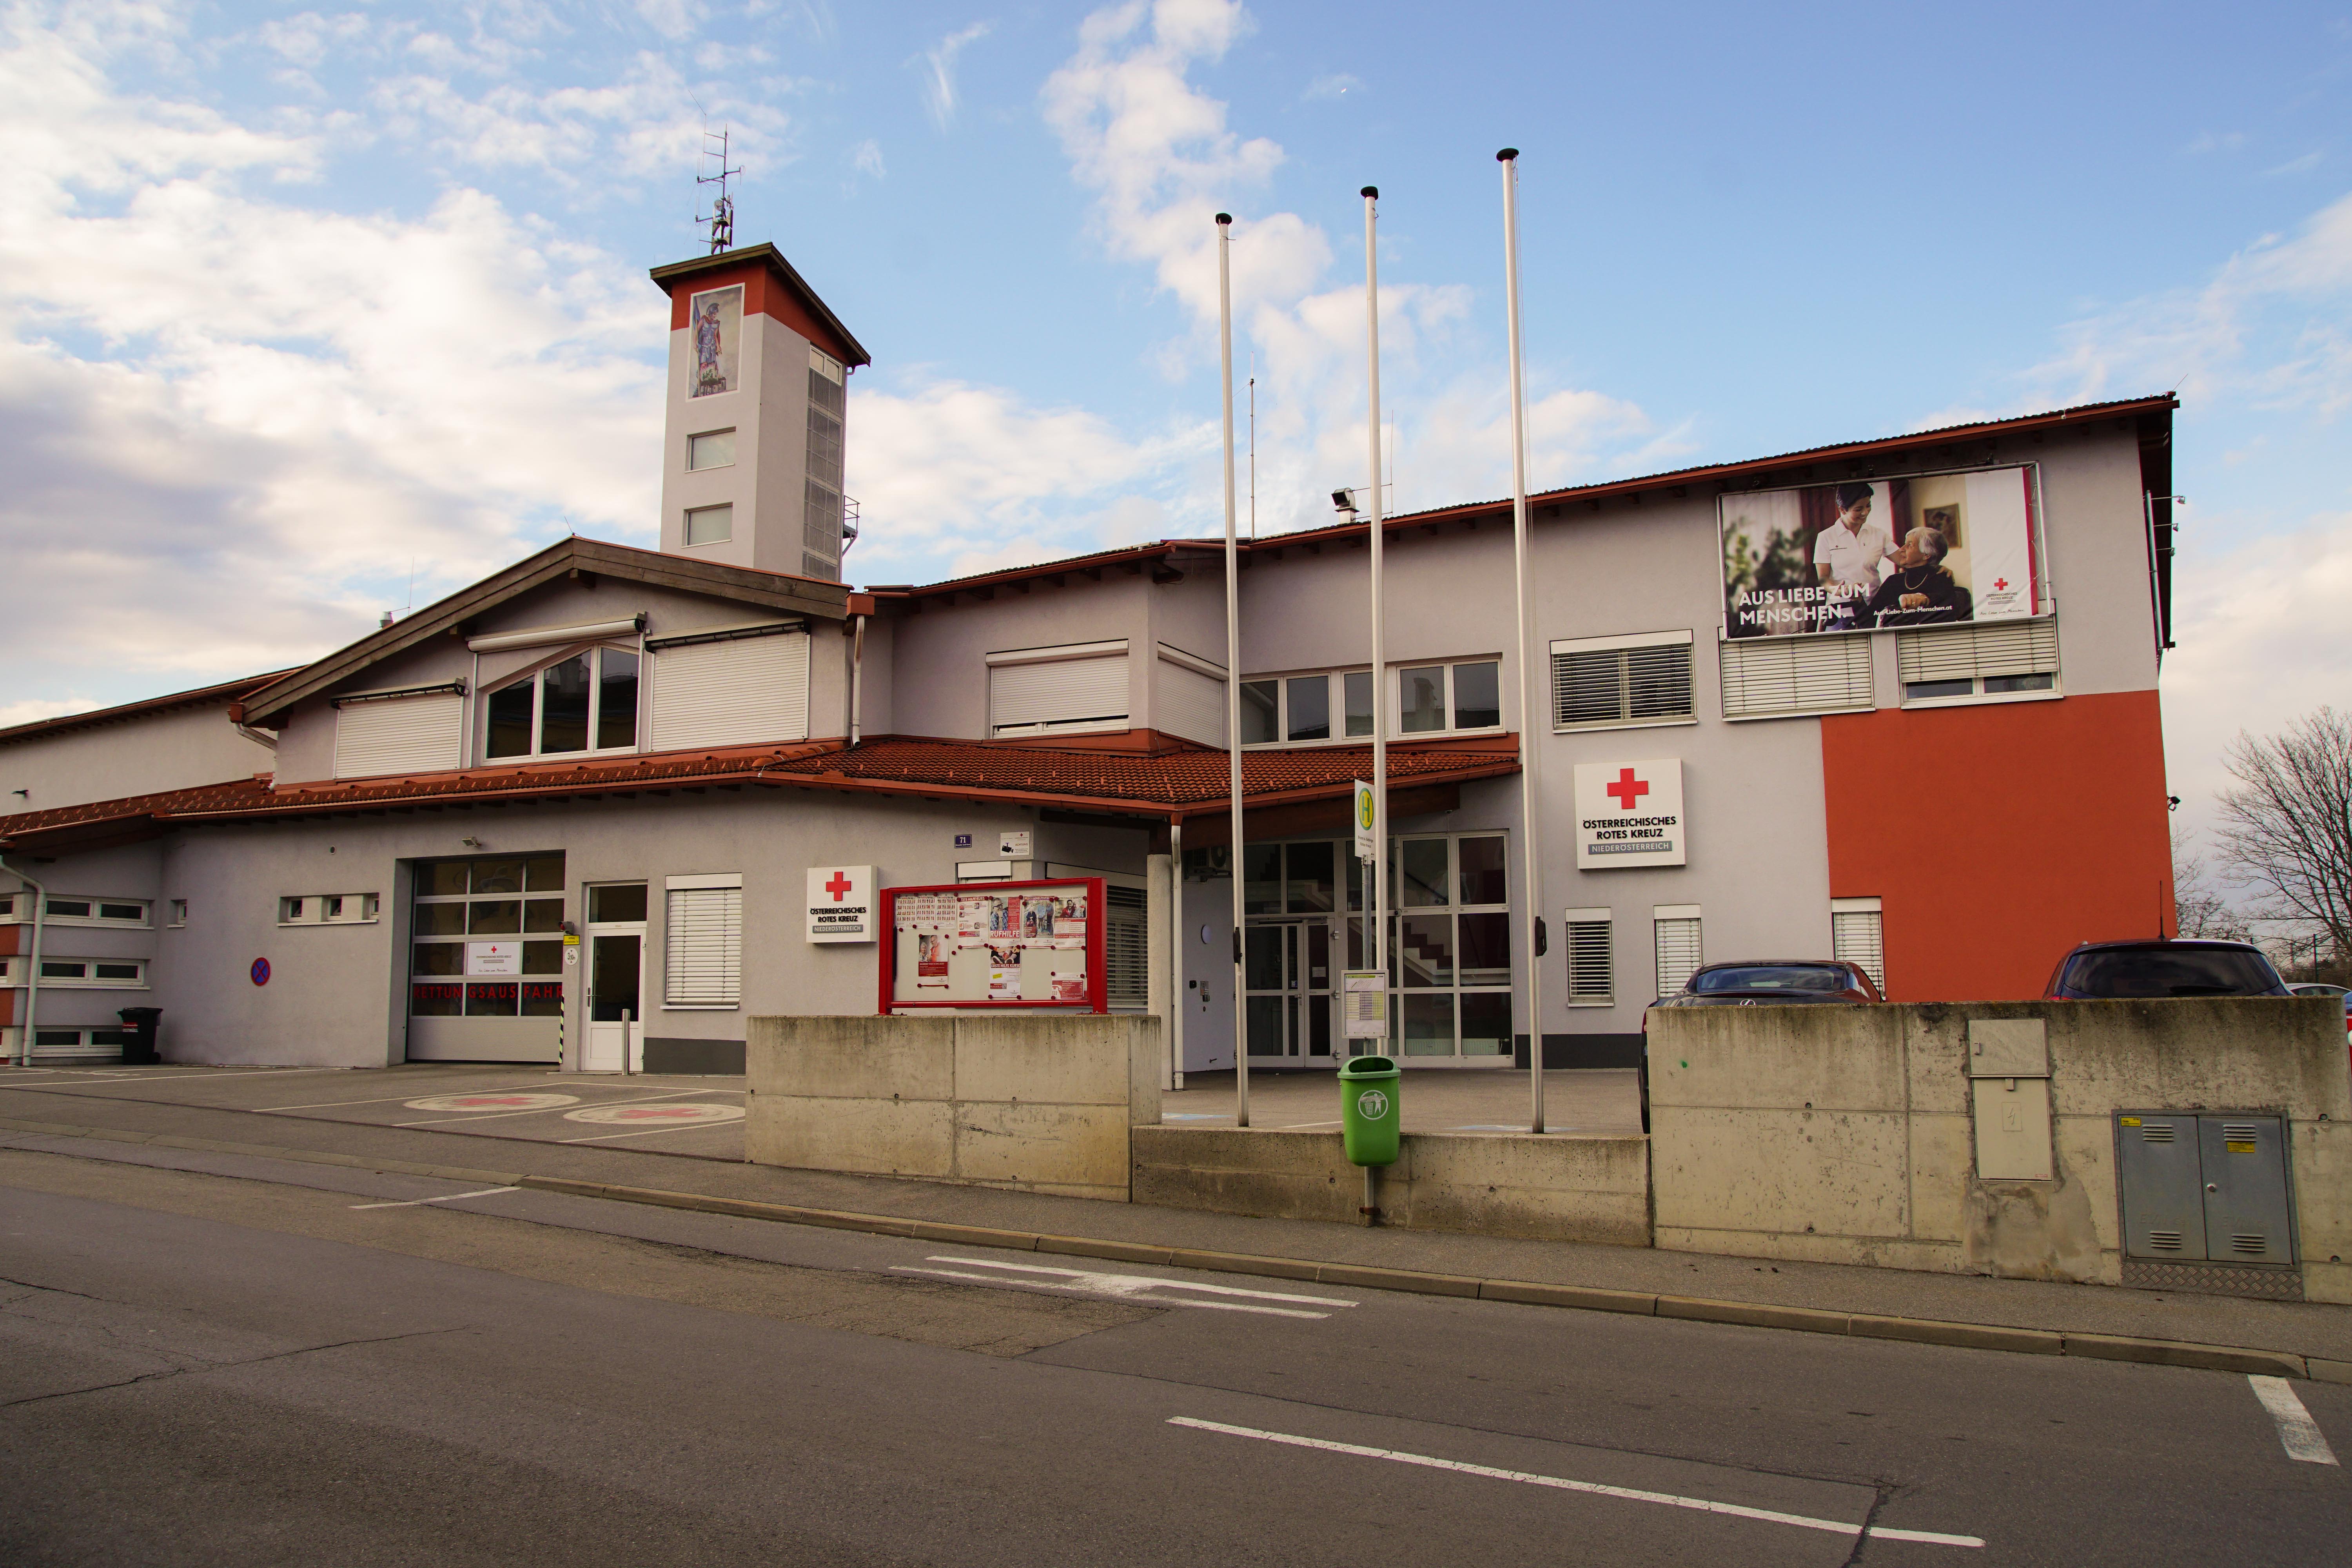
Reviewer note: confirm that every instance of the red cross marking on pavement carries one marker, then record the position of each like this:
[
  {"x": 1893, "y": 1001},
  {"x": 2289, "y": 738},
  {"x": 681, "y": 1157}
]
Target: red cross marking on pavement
[
  {"x": 2001, "y": 582},
  {"x": 1627, "y": 789},
  {"x": 838, "y": 886}
]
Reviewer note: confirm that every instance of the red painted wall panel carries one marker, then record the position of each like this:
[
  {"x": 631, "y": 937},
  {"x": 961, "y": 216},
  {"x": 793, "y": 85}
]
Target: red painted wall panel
[
  {"x": 763, "y": 293},
  {"x": 1997, "y": 836}
]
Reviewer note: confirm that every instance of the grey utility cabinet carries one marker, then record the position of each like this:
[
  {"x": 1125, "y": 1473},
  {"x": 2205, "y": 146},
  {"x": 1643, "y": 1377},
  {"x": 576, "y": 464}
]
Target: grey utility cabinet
[{"x": 2204, "y": 1188}]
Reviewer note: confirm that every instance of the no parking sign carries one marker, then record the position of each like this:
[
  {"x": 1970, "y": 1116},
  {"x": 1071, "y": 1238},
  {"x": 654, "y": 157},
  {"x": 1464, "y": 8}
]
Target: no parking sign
[{"x": 260, "y": 972}]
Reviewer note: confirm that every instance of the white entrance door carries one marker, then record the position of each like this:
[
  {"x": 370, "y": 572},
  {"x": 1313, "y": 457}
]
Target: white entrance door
[{"x": 615, "y": 1039}]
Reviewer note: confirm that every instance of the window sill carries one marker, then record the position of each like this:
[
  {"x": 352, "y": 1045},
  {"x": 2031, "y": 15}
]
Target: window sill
[
  {"x": 1593, "y": 1002},
  {"x": 1980, "y": 699},
  {"x": 81, "y": 985},
  {"x": 1686, "y": 720},
  {"x": 1038, "y": 731},
  {"x": 306, "y": 925},
  {"x": 529, "y": 759},
  {"x": 1797, "y": 713},
  {"x": 702, "y": 1008}
]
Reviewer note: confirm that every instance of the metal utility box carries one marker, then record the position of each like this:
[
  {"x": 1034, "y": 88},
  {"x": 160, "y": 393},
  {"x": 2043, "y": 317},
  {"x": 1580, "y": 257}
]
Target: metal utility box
[
  {"x": 2204, "y": 1188},
  {"x": 2008, "y": 1095}
]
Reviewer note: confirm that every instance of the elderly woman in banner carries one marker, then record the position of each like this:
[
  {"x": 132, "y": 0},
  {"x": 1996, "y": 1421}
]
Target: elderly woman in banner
[{"x": 1919, "y": 588}]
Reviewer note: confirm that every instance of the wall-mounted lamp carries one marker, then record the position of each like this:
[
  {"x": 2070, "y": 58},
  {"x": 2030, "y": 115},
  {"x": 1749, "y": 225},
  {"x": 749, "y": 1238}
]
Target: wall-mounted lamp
[
  {"x": 1344, "y": 500},
  {"x": 471, "y": 843}
]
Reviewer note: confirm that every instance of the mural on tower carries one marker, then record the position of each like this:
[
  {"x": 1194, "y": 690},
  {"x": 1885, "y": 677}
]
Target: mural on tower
[{"x": 716, "y": 319}]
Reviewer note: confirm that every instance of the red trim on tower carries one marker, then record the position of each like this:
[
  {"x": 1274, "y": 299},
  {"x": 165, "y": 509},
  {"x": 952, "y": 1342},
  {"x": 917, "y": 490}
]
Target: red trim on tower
[
  {"x": 765, "y": 293},
  {"x": 1997, "y": 836}
]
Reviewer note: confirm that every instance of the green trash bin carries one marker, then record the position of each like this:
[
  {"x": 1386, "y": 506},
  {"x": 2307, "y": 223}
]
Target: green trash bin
[{"x": 1369, "y": 1111}]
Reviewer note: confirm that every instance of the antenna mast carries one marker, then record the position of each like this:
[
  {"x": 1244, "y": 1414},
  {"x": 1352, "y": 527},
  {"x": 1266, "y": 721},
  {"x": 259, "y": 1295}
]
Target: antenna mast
[{"x": 722, "y": 216}]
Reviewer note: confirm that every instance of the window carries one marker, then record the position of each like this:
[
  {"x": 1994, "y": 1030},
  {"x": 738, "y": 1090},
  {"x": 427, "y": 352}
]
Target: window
[
  {"x": 179, "y": 911},
  {"x": 713, "y": 449},
  {"x": 1608, "y": 682},
  {"x": 485, "y": 936},
  {"x": 80, "y": 912},
  {"x": 710, "y": 524},
  {"x": 1075, "y": 688},
  {"x": 702, "y": 965},
  {"x": 1676, "y": 928},
  {"x": 583, "y": 703},
  {"x": 1191, "y": 700},
  {"x": 1449, "y": 697},
  {"x": 92, "y": 973},
  {"x": 730, "y": 686},
  {"x": 1592, "y": 958},
  {"x": 1857, "y": 937},
  {"x": 399, "y": 733},
  {"x": 1990, "y": 659},
  {"x": 1772, "y": 678},
  {"x": 327, "y": 908}
]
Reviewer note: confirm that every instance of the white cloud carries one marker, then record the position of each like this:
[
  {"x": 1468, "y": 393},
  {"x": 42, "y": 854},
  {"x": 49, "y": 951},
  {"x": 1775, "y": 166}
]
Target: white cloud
[
  {"x": 939, "y": 80},
  {"x": 866, "y": 159},
  {"x": 1333, "y": 88}
]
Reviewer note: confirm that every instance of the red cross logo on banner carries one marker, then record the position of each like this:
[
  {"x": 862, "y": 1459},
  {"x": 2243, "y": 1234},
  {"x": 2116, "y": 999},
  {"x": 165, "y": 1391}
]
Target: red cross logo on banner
[
  {"x": 838, "y": 886},
  {"x": 1627, "y": 789},
  {"x": 2001, "y": 582}
]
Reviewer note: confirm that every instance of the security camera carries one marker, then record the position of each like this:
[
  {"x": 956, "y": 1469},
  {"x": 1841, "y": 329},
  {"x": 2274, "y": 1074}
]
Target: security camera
[{"x": 1343, "y": 500}]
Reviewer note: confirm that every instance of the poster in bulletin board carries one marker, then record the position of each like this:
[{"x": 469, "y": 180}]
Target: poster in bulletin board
[{"x": 994, "y": 944}]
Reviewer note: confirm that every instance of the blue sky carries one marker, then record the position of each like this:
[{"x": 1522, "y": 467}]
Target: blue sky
[{"x": 301, "y": 302}]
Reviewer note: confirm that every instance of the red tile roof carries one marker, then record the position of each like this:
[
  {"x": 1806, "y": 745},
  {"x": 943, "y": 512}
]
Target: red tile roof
[
  {"x": 221, "y": 695},
  {"x": 1171, "y": 784}
]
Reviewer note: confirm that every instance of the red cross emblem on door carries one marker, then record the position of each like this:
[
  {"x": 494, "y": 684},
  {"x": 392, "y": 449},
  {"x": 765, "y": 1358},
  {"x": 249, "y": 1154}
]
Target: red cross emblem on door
[
  {"x": 2000, "y": 584},
  {"x": 839, "y": 885},
  {"x": 1626, "y": 788}
]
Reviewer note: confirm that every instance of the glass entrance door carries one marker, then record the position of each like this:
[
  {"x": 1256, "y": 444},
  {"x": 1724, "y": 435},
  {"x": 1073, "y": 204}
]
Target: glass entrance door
[
  {"x": 1288, "y": 966},
  {"x": 616, "y": 976}
]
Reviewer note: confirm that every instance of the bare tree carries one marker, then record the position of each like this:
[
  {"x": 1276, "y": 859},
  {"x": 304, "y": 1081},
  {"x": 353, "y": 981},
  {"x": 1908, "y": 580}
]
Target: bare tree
[
  {"x": 2286, "y": 830},
  {"x": 2197, "y": 907}
]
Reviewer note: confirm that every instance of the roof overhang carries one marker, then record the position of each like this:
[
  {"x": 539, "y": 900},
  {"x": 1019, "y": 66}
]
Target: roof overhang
[{"x": 766, "y": 255}]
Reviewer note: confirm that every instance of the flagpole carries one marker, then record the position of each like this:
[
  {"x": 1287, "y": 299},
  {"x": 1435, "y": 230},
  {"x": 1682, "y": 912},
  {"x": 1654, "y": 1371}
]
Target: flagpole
[
  {"x": 1232, "y": 667},
  {"x": 1530, "y": 811},
  {"x": 1379, "y": 878}
]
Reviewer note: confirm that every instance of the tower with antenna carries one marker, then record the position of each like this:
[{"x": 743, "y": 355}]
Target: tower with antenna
[{"x": 718, "y": 219}]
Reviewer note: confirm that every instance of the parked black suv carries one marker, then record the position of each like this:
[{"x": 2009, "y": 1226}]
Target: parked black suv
[{"x": 2178, "y": 967}]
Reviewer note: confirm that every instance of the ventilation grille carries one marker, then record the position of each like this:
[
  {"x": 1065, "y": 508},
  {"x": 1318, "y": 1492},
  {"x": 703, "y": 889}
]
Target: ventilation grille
[
  {"x": 1126, "y": 948},
  {"x": 2168, "y": 1241},
  {"x": 2250, "y": 1245},
  {"x": 2157, "y": 1132},
  {"x": 1592, "y": 968},
  {"x": 2239, "y": 1130}
]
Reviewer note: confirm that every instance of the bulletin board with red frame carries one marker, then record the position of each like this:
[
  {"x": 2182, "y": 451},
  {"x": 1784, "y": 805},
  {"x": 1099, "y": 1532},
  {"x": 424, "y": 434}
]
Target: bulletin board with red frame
[{"x": 995, "y": 944}]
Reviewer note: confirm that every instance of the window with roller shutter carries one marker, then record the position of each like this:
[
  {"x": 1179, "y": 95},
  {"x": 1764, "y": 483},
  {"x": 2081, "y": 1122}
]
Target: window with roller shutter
[
  {"x": 408, "y": 732},
  {"x": 1997, "y": 660},
  {"x": 1779, "y": 678},
  {"x": 1857, "y": 936},
  {"x": 1621, "y": 682},
  {"x": 1074, "y": 688},
  {"x": 702, "y": 951},
  {"x": 735, "y": 688},
  {"x": 1679, "y": 949}
]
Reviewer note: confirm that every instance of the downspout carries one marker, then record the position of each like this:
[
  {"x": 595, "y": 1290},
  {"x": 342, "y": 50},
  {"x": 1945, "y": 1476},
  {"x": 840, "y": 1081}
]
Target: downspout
[
  {"x": 856, "y": 680},
  {"x": 258, "y": 737},
  {"x": 32, "y": 964}
]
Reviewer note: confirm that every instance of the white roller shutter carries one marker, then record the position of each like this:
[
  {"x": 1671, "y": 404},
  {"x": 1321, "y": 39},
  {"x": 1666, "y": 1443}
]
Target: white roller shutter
[
  {"x": 1190, "y": 704},
  {"x": 1963, "y": 653},
  {"x": 1858, "y": 936},
  {"x": 733, "y": 693},
  {"x": 1679, "y": 953},
  {"x": 702, "y": 963},
  {"x": 1038, "y": 691},
  {"x": 398, "y": 735},
  {"x": 1770, "y": 676}
]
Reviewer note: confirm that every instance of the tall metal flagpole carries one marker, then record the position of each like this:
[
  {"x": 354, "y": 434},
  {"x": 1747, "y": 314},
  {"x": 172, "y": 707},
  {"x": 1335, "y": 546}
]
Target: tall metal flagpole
[
  {"x": 1530, "y": 809},
  {"x": 1380, "y": 879},
  {"x": 1233, "y": 665}
]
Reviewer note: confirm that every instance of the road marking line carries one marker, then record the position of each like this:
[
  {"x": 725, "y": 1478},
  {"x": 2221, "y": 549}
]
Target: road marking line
[
  {"x": 1144, "y": 1282},
  {"x": 1699, "y": 1505},
  {"x": 2298, "y": 1433},
  {"x": 1082, "y": 1288},
  {"x": 444, "y": 1198}
]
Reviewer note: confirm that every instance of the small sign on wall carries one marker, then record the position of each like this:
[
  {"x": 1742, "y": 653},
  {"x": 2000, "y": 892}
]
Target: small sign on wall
[
  {"x": 1014, "y": 843},
  {"x": 494, "y": 958},
  {"x": 841, "y": 903},
  {"x": 1629, "y": 814}
]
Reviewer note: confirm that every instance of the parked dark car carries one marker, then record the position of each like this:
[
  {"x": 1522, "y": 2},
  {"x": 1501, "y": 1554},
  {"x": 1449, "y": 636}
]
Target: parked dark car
[
  {"x": 2180, "y": 966},
  {"x": 1753, "y": 982}
]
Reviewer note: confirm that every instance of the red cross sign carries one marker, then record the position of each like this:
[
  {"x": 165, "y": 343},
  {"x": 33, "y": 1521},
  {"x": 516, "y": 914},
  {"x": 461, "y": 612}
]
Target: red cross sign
[
  {"x": 2000, "y": 584},
  {"x": 838, "y": 886},
  {"x": 1627, "y": 789}
]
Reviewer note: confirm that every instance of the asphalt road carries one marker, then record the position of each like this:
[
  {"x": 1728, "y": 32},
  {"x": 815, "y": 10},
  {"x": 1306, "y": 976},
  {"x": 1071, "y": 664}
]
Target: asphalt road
[{"x": 227, "y": 1360}]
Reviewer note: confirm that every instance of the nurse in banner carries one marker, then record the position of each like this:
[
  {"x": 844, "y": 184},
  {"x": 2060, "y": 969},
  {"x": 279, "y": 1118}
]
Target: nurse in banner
[{"x": 1846, "y": 556}]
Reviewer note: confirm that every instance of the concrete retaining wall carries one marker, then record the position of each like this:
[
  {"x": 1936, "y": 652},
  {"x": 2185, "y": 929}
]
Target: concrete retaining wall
[
  {"x": 1040, "y": 1104},
  {"x": 1552, "y": 1188},
  {"x": 1845, "y": 1134}
]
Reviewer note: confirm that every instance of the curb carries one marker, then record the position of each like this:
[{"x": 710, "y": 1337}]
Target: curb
[{"x": 1689, "y": 1308}]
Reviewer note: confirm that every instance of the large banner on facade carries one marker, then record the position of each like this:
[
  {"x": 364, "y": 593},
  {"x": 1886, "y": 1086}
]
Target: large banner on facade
[{"x": 1919, "y": 550}]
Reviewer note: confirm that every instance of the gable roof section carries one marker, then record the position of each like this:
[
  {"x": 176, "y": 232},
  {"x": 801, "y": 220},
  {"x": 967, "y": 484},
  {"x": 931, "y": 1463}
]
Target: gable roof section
[
  {"x": 1170, "y": 786},
  {"x": 1168, "y": 554},
  {"x": 771, "y": 590},
  {"x": 221, "y": 696}
]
